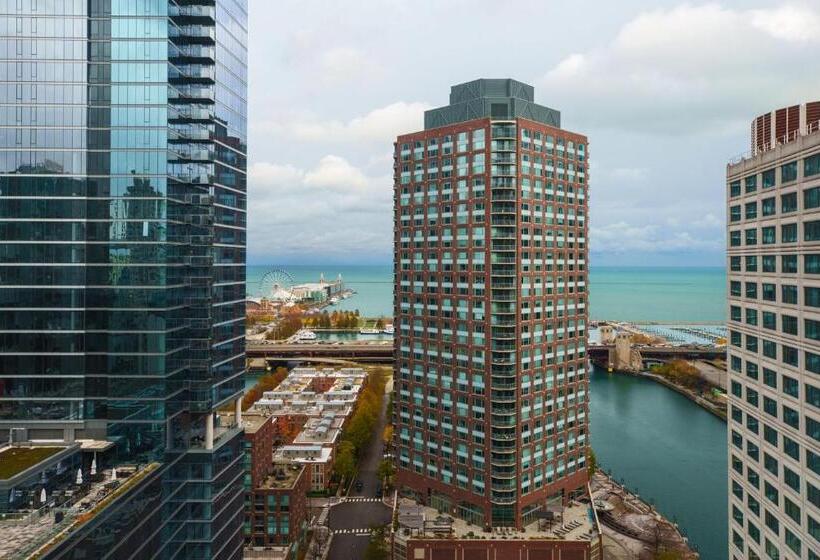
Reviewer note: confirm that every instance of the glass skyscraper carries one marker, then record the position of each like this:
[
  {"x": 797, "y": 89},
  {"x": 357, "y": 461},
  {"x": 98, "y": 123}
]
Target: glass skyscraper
[{"x": 122, "y": 251}]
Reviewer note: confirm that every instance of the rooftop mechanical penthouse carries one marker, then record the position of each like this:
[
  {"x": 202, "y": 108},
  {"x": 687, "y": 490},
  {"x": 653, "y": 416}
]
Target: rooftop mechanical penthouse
[{"x": 491, "y": 392}]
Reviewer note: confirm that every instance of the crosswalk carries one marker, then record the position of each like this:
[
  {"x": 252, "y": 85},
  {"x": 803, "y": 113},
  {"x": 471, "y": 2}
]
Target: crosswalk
[
  {"x": 357, "y": 532},
  {"x": 359, "y": 499}
]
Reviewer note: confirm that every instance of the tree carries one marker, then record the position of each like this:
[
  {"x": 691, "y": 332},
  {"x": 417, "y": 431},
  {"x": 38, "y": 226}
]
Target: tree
[
  {"x": 592, "y": 462},
  {"x": 386, "y": 470},
  {"x": 377, "y": 547},
  {"x": 345, "y": 464},
  {"x": 387, "y": 435}
]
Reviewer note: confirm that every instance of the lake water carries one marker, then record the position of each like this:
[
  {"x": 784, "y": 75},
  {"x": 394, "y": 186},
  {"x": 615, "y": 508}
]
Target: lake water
[{"x": 672, "y": 295}]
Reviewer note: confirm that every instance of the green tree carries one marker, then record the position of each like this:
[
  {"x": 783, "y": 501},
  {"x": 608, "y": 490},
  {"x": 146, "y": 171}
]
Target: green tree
[
  {"x": 377, "y": 547},
  {"x": 592, "y": 462},
  {"x": 345, "y": 464},
  {"x": 386, "y": 470}
]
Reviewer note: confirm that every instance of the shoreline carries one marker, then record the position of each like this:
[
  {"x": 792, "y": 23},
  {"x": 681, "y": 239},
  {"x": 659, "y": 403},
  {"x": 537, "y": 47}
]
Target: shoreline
[
  {"x": 630, "y": 525},
  {"x": 697, "y": 399}
]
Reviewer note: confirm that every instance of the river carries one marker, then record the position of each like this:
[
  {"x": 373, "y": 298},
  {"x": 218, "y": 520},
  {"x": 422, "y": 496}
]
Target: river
[{"x": 667, "y": 449}]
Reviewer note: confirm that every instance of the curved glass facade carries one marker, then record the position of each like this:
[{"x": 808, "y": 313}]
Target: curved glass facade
[{"x": 122, "y": 241}]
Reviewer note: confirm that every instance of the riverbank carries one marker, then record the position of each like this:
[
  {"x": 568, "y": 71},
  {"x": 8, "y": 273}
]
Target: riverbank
[
  {"x": 696, "y": 398},
  {"x": 631, "y": 528},
  {"x": 662, "y": 445}
]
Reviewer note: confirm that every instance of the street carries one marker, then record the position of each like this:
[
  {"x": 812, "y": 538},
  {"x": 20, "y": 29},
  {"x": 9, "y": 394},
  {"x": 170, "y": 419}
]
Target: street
[{"x": 350, "y": 520}]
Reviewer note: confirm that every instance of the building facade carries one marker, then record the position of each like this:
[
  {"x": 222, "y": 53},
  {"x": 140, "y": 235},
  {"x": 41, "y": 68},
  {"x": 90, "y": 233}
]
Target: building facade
[
  {"x": 773, "y": 217},
  {"x": 491, "y": 392},
  {"x": 122, "y": 251}
]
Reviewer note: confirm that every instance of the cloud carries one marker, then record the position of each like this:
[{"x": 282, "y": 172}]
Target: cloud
[
  {"x": 625, "y": 238},
  {"x": 379, "y": 126},
  {"x": 339, "y": 65},
  {"x": 692, "y": 68},
  {"x": 330, "y": 208}
]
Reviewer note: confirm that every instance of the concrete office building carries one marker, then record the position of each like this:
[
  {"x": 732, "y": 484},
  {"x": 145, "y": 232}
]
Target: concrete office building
[
  {"x": 122, "y": 266},
  {"x": 491, "y": 390},
  {"x": 773, "y": 215}
]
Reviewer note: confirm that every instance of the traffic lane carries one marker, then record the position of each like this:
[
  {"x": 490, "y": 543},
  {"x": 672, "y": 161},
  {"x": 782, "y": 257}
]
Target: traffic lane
[
  {"x": 348, "y": 547},
  {"x": 358, "y": 515}
]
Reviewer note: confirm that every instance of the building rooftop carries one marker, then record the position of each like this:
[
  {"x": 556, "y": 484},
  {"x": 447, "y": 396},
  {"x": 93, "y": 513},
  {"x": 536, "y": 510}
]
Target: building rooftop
[
  {"x": 302, "y": 454},
  {"x": 253, "y": 421},
  {"x": 14, "y": 460},
  {"x": 575, "y": 522},
  {"x": 31, "y": 534},
  {"x": 491, "y": 98},
  {"x": 285, "y": 475}
]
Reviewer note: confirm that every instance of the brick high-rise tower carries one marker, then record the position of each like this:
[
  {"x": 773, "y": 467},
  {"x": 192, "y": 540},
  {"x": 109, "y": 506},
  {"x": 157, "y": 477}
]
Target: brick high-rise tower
[{"x": 491, "y": 392}]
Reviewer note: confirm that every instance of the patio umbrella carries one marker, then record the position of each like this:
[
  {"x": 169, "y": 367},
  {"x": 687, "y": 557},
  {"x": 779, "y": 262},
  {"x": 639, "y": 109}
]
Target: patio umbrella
[
  {"x": 79, "y": 476},
  {"x": 43, "y": 496},
  {"x": 113, "y": 474},
  {"x": 94, "y": 465}
]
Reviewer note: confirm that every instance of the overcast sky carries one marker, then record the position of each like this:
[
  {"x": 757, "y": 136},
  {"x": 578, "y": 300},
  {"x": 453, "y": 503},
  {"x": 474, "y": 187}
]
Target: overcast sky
[{"x": 664, "y": 90}]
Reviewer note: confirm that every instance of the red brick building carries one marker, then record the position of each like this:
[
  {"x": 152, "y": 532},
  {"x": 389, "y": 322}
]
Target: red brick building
[
  {"x": 490, "y": 307},
  {"x": 276, "y": 509}
]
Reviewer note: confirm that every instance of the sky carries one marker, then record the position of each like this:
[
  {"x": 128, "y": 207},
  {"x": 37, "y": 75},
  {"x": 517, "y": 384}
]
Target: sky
[{"x": 665, "y": 91}]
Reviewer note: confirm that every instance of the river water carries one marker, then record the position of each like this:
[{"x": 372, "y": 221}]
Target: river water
[{"x": 667, "y": 449}]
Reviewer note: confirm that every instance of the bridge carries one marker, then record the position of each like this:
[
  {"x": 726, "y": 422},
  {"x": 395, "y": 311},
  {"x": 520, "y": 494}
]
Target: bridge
[
  {"x": 327, "y": 353},
  {"x": 383, "y": 353}
]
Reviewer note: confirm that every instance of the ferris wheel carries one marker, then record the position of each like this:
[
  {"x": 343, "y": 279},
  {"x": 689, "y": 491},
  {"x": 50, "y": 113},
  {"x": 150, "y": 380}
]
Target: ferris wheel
[{"x": 276, "y": 285}]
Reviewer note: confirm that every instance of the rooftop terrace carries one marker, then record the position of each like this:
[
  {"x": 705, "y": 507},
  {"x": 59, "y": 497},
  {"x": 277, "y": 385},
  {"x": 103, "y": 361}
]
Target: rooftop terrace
[
  {"x": 575, "y": 522},
  {"x": 284, "y": 476}
]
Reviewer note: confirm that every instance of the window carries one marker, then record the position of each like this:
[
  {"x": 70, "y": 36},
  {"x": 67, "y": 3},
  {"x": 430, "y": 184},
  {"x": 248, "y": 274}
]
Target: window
[
  {"x": 768, "y": 207},
  {"x": 751, "y": 263},
  {"x": 788, "y": 264},
  {"x": 735, "y": 313},
  {"x": 769, "y": 320},
  {"x": 768, "y": 178},
  {"x": 791, "y": 539},
  {"x": 788, "y": 203},
  {"x": 751, "y": 184},
  {"x": 789, "y": 324},
  {"x": 792, "y": 479},
  {"x": 790, "y": 355},
  {"x": 734, "y": 238},
  {"x": 812, "y": 428},
  {"x": 751, "y": 236},
  {"x": 811, "y": 296},
  {"x": 811, "y": 165},
  {"x": 771, "y": 493},
  {"x": 770, "y": 435},
  {"x": 734, "y": 188},
  {"x": 791, "y": 417},
  {"x": 811, "y": 198},
  {"x": 812, "y": 461},
  {"x": 813, "y": 362},
  {"x": 734, "y": 264},
  {"x": 751, "y": 343},
  {"x": 788, "y": 172},
  {"x": 767, "y": 235},
  {"x": 811, "y": 329},
  {"x": 812, "y": 395},
  {"x": 734, "y": 287},
  {"x": 734, "y": 214},
  {"x": 789, "y": 294},
  {"x": 770, "y": 349},
  {"x": 811, "y": 264},
  {"x": 788, "y": 233},
  {"x": 769, "y": 263},
  {"x": 751, "y": 317},
  {"x": 770, "y": 378},
  {"x": 791, "y": 386},
  {"x": 751, "y": 290},
  {"x": 751, "y": 210},
  {"x": 791, "y": 448},
  {"x": 768, "y": 292},
  {"x": 811, "y": 231}
]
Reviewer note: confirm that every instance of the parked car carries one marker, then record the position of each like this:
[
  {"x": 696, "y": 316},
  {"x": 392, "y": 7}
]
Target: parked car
[{"x": 379, "y": 491}]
